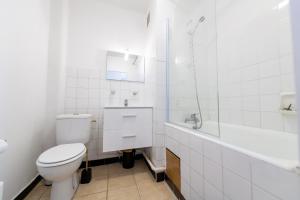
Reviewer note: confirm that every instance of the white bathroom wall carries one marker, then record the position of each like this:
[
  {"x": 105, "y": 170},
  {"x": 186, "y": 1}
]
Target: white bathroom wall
[
  {"x": 182, "y": 84},
  {"x": 194, "y": 63},
  {"x": 23, "y": 75},
  {"x": 245, "y": 47},
  {"x": 56, "y": 70},
  {"x": 255, "y": 59},
  {"x": 95, "y": 27},
  {"x": 161, "y": 20}
]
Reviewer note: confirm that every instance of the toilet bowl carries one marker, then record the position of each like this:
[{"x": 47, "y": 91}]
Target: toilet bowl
[{"x": 59, "y": 165}]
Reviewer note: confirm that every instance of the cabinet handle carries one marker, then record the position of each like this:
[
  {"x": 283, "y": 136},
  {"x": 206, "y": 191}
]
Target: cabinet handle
[
  {"x": 128, "y": 136},
  {"x": 128, "y": 116}
]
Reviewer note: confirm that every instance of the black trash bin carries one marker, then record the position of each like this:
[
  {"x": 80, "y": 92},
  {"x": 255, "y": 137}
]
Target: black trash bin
[{"x": 128, "y": 159}]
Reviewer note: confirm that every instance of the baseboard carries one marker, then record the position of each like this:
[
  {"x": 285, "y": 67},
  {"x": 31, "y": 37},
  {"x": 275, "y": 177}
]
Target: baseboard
[
  {"x": 174, "y": 188},
  {"x": 29, "y": 188},
  {"x": 159, "y": 177}
]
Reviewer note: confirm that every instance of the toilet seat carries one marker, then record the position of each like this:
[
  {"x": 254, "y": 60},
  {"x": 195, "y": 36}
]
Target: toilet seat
[{"x": 61, "y": 155}]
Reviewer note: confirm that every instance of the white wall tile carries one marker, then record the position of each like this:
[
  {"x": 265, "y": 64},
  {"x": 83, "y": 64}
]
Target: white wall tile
[
  {"x": 197, "y": 183},
  {"x": 94, "y": 83},
  {"x": 237, "y": 162},
  {"x": 236, "y": 187},
  {"x": 276, "y": 181},
  {"x": 173, "y": 145},
  {"x": 196, "y": 143},
  {"x": 288, "y": 83},
  {"x": 287, "y": 64},
  {"x": 272, "y": 120},
  {"x": 250, "y": 73},
  {"x": 213, "y": 173},
  {"x": 184, "y": 154},
  {"x": 270, "y": 103},
  {"x": 196, "y": 161},
  {"x": 185, "y": 172},
  {"x": 212, "y": 193},
  {"x": 251, "y": 103},
  {"x": 251, "y": 118},
  {"x": 185, "y": 190},
  {"x": 269, "y": 68},
  {"x": 82, "y": 93},
  {"x": 194, "y": 195},
  {"x": 83, "y": 83},
  {"x": 212, "y": 151},
  {"x": 259, "y": 194},
  {"x": 70, "y": 93},
  {"x": 270, "y": 85},
  {"x": 250, "y": 88},
  {"x": 71, "y": 82}
]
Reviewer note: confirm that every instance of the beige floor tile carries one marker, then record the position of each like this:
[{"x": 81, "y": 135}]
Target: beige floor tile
[
  {"x": 151, "y": 190},
  {"x": 117, "y": 169},
  {"x": 156, "y": 193},
  {"x": 127, "y": 193},
  {"x": 97, "y": 185},
  {"x": 140, "y": 176},
  {"x": 165, "y": 191},
  {"x": 145, "y": 183},
  {"x": 46, "y": 194},
  {"x": 121, "y": 181},
  {"x": 112, "y": 182},
  {"x": 37, "y": 192},
  {"x": 97, "y": 196},
  {"x": 140, "y": 166},
  {"x": 100, "y": 171}
]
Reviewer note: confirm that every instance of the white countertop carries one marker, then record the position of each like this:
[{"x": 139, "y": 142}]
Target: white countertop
[{"x": 128, "y": 107}]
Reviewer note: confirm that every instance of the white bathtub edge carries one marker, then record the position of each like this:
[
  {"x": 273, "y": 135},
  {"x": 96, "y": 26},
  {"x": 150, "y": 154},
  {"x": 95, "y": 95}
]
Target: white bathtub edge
[{"x": 295, "y": 168}]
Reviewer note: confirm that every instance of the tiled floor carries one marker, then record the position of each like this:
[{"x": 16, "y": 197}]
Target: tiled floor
[{"x": 112, "y": 182}]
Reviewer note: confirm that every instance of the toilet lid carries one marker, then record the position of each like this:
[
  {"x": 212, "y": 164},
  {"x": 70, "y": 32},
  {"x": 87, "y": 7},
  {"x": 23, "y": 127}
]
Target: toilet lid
[{"x": 61, "y": 153}]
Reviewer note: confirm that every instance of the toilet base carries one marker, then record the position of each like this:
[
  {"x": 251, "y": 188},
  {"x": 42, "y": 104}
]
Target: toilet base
[{"x": 65, "y": 189}]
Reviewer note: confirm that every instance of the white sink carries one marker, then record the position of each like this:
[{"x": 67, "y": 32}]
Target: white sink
[{"x": 3, "y": 146}]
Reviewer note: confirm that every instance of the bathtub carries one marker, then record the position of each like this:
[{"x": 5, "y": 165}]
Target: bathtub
[
  {"x": 242, "y": 164},
  {"x": 279, "y": 148}
]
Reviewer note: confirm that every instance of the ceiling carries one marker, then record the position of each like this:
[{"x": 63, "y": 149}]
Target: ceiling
[{"x": 140, "y": 6}]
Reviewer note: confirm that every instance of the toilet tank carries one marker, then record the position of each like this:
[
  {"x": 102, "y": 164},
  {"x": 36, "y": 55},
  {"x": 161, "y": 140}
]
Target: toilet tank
[{"x": 73, "y": 128}]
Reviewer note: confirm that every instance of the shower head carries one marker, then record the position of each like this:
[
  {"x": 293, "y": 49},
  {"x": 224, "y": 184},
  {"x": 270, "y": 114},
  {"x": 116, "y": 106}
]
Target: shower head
[{"x": 193, "y": 30}]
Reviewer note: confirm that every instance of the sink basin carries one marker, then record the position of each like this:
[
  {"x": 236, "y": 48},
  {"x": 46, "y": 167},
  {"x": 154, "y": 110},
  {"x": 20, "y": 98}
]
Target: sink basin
[{"x": 3, "y": 146}]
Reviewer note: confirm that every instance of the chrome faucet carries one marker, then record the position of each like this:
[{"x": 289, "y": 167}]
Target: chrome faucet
[
  {"x": 126, "y": 102},
  {"x": 193, "y": 118}
]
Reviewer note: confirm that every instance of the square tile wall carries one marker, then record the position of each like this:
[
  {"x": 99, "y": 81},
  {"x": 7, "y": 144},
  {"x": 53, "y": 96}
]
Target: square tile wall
[
  {"x": 255, "y": 63},
  {"x": 218, "y": 172},
  {"x": 244, "y": 47},
  {"x": 88, "y": 91}
]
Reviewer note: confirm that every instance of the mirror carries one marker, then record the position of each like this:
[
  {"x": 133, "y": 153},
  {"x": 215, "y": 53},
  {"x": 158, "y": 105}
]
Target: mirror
[{"x": 125, "y": 67}]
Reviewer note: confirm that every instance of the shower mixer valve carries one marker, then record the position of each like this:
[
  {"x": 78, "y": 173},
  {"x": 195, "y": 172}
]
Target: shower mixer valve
[{"x": 192, "y": 118}]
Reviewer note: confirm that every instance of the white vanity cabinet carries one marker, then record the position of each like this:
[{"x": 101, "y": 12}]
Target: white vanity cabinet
[{"x": 127, "y": 128}]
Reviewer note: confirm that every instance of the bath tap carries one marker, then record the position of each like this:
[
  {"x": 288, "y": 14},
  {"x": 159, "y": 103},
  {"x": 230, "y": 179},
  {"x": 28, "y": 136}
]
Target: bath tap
[
  {"x": 192, "y": 118},
  {"x": 126, "y": 102}
]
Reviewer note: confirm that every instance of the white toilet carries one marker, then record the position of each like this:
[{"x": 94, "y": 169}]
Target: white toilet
[{"x": 60, "y": 163}]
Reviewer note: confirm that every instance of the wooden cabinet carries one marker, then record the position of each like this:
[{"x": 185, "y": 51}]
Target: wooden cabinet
[{"x": 173, "y": 168}]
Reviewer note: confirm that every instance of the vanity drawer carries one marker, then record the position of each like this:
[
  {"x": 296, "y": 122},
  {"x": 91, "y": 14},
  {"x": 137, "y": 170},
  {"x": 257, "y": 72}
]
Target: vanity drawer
[
  {"x": 126, "y": 119},
  {"x": 127, "y": 129}
]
